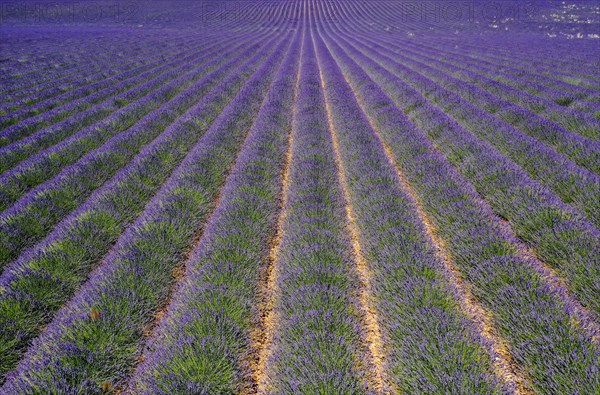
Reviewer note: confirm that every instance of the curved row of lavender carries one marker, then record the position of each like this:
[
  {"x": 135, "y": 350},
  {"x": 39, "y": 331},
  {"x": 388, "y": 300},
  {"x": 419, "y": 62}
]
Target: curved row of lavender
[
  {"x": 302, "y": 196},
  {"x": 45, "y": 164},
  {"x": 61, "y": 60},
  {"x": 458, "y": 47},
  {"x": 94, "y": 92},
  {"x": 72, "y": 103},
  {"x": 549, "y": 168},
  {"x": 88, "y": 71},
  {"x": 535, "y": 96},
  {"x": 111, "y": 112},
  {"x": 571, "y": 183}
]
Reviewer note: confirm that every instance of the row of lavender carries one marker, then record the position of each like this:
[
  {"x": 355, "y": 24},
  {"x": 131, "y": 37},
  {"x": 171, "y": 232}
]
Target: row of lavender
[
  {"x": 564, "y": 92},
  {"x": 415, "y": 302},
  {"x": 534, "y": 60},
  {"x": 444, "y": 23},
  {"x": 119, "y": 113},
  {"x": 483, "y": 252},
  {"x": 573, "y": 184},
  {"x": 62, "y": 53},
  {"x": 92, "y": 61},
  {"x": 569, "y": 94},
  {"x": 89, "y": 107},
  {"x": 37, "y": 133},
  {"x": 213, "y": 305},
  {"x": 29, "y": 118},
  {"x": 312, "y": 342},
  {"x": 106, "y": 212}
]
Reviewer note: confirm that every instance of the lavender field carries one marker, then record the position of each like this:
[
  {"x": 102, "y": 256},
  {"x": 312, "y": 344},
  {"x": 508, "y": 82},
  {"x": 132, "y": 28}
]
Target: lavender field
[{"x": 300, "y": 197}]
